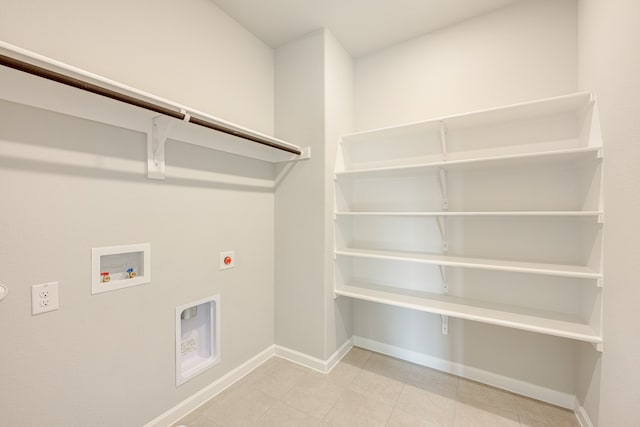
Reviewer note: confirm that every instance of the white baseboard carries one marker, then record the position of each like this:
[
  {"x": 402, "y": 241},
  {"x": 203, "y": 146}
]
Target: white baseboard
[
  {"x": 544, "y": 394},
  {"x": 554, "y": 397},
  {"x": 339, "y": 354},
  {"x": 583, "y": 417},
  {"x": 324, "y": 366},
  {"x": 197, "y": 399}
]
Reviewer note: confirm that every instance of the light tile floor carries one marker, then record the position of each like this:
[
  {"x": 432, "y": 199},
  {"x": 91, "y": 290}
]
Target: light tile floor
[{"x": 369, "y": 389}]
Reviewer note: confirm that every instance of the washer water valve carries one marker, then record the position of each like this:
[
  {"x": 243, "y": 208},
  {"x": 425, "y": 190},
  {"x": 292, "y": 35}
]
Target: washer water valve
[
  {"x": 105, "y": 276},
  {"x": 131, "y": 273}
]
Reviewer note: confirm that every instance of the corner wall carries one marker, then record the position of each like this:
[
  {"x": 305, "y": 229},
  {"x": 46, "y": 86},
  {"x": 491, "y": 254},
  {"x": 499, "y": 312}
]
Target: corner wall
[
  {"x": 515, "y": 54},
  {"x": 314, "y": 106},
  {"x": 339, "y": 114},
  {"x": 609, "y": 65},
  {"x": 300, "y": 209},
  {"x": 519, "y": 53}
]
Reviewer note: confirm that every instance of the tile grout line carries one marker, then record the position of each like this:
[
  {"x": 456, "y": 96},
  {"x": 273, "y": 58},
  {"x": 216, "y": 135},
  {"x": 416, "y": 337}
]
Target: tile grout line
[
  {"x": 346, "y": 389},
  {"x": 395, "y": 404}
]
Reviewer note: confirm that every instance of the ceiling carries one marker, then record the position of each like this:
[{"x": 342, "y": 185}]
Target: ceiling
[{"x": 362, "y": 26}]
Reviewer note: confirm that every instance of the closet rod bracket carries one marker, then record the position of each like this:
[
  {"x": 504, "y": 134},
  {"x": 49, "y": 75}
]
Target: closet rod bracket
[
  {"x": 156, "y": 141},
  {"x": 304, "y": 155}
]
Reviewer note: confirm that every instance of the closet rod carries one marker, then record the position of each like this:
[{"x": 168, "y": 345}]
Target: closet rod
[{"x": 35, "y": 70}]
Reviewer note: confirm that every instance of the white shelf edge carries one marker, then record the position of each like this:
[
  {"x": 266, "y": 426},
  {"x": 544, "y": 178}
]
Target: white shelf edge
[
  {"x": 464, "y": 309},
  {"x": 470, "y": 213},
  {"x": 461, "y": 162},
  {"x": 558, "y": 270},
  {"x": 568, "y": 97}
]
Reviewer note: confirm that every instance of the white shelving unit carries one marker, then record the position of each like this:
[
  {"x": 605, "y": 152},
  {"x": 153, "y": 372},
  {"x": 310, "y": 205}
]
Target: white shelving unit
[{"x": 493, "y": 216}]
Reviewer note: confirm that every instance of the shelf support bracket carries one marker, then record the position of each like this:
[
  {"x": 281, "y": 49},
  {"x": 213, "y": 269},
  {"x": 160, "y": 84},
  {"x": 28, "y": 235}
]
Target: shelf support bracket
[
  {"x": 445, "y": 324},
  {"x": 444, "y": 232},
  {"x": 600, "y": 283},
  {"x": 598, "y": 346},
  {"x": 445, "y": 283},
  {"x": 443, "y": 177},
  {"x": 156, "y": 140},
  {"x": 443, "y": 139}
]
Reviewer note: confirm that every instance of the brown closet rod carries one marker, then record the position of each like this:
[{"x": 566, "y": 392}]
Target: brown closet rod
[{"x": 26, "y": 67}]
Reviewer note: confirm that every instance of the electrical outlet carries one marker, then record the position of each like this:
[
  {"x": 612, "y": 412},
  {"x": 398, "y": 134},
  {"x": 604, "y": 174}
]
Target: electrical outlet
[{"x": 44, "y": 298}]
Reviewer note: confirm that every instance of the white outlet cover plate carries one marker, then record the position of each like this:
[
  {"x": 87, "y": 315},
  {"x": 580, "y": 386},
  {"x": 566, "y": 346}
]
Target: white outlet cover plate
[
  {"x": 44, "y": 298},
  {"x": 223, "y": 255}
]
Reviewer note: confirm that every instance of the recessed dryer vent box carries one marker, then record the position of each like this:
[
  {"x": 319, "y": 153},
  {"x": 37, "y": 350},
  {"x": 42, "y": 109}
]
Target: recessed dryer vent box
[
  {"x": 197, "y": 337},
  {"x": 117, "y": 267}
]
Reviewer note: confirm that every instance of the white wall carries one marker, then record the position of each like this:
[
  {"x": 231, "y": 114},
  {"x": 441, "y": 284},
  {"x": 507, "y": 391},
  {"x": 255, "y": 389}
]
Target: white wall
[
  {"x": 187, "y": 51},
  {"x": 300, "y": 199},
  {"x": 522, "y": 52},
  {"x": 314, "y": 106},
  {"x": 339, "y": 112},
  {"x": 515, "y": 54},
  {"x": 609, "y": 64},
  {"x": 68, "y": 185}
]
